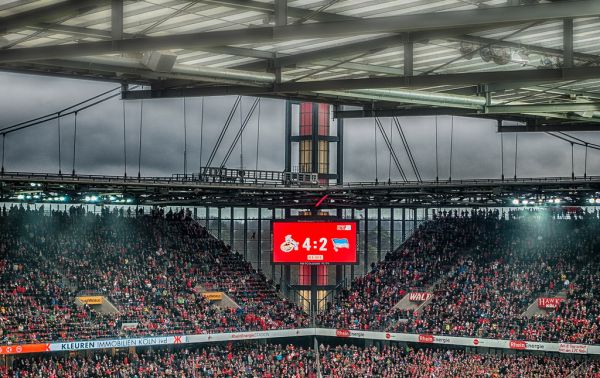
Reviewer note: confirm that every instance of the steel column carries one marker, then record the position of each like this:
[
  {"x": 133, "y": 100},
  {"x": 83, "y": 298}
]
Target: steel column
[
  {"x": 281, "y": 12},
  {"x": 245, "y": 230},
  {"x": 366, "y": 242},
  {"x": 219, "y": 222},
  {"x": 340, "y": 148},
  {"x": 378, "y": 234},
  {"x": 403, "y": 224},
  {"x": 288, "y": 138},
  {"x": 259, "y": 239},
  {"x": 116, "y": 19},
  {"x": 568, "y": 42},
  {"x": 231, "y": 228}
]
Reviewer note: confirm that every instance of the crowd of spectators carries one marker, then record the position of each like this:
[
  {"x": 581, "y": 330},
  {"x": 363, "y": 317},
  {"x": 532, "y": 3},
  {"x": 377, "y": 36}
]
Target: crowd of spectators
[
  {"x": 273, "y": 360},
  {"x": 489, "y": 268},
  {"x": 253, "y": 360},
  {"x": 418, "y": 264},
  {"x": 152, "y": 268}
]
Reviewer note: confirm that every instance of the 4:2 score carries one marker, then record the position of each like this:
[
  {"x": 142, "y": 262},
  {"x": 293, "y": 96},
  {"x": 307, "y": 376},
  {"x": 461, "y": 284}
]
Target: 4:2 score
[{"x": 308, "y": 246}]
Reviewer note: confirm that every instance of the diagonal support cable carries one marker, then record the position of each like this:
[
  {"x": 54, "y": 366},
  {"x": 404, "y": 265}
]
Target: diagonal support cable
[
  {"x": 408, "y": 150},
  {"x": 391, "y": 149},
  {"x": 240, "y": 132},
  {"x": 223, "y": 131}
]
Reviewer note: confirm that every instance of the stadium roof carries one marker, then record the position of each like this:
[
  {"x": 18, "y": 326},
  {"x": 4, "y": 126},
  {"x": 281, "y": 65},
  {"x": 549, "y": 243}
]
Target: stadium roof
[{"x": 530, "y": 61}]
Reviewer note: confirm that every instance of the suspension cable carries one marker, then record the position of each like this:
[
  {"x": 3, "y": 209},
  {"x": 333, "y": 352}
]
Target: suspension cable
[
  {"x": 201, "y": 134},
  {"x": 437, "y": 176},
  {"x": 258, "y": 135},
  {"x": 578, "y": 139},
  {"x": 376, "y": 168},
  {"x": 241, "y": 136},
  {"x": 124, "y": 143},
  {"x": 451, "y": 144},
  {"x": 585, "y": 162},
  {"x": 390, "y": 161},
  {"x": 502, "y": 154},
  {"x": 409, "y": 153},
  {"x": 184, "y": 139},
  {"x": 140, "y": 145},
  {"x": 391, "y": 149},
  {"x": 51, "y": 116},
  {"x": 582, "y": 143},
  {"x": 516, "y": 152},
  {"x": 3, "y": 148},
  {"x": 74, "y": 142},
  {"x": 239, "y": 133},
  {"x": 59, "y": 152},
  {"x": 578, "y": 142},
  {"x": 223, "y": 131},
  {"x": 572, "y": 162}
]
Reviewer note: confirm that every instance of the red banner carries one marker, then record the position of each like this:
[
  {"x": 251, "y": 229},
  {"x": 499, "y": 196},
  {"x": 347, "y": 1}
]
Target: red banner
[
  {"x": 419, "y": 297},
  {"x": 25, "y": 348},
  {"x": 428, "y": 339},
  {"x": 342, "y": 333},
  {"x": 314, "y": 242},
  {"x": 519, "y": 345},
  {"x": 549, "y": 303}
]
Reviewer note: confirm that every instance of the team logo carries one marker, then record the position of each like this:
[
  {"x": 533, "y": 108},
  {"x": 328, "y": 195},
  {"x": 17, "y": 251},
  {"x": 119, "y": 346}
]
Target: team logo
[
  {"x": 339, "y": 243},
  {"x": 289, "y": 244}
]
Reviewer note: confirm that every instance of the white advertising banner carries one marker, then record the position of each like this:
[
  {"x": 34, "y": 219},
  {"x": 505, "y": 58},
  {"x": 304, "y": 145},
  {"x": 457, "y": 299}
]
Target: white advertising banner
[
  {"x": 117, "y": 343},
  {"x": 212, "y": 337},
  {"x": 326, "y": 332}
]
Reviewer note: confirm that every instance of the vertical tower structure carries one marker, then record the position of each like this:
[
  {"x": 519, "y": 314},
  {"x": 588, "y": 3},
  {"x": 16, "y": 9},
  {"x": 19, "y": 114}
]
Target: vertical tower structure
[{"x": 308, "y": 125}]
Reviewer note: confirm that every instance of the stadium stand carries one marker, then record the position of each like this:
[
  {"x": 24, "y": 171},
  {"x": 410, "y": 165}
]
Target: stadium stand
[
  {"x": 273, "y": 360},
  {"x": 484, "y": 270},
  {"x": 153, "y": 268}
]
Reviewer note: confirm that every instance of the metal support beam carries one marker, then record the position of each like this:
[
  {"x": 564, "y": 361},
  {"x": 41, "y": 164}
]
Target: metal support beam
[
  {"x": 48, "y": 13},
  {"x": 340, "y": 148},
  {"x": 378, "y": 234},
  {"x": 543, "y": 108},
  {"x": 259, "y": 241},
  {"x": 269, "y": 8},
  {"x": 528, "y": 47},
  {"x": 403, "y": 225},
  {"x": 245, "y": 231},
  {"x": 366, "y": 243},
  {"x": 288, "y": 136},
  {"x": 116, "y": 19},
  {"x": 401, "y": 112},
  {"x": 549, "y": 128},
  {"x": 497, "y": 16},
  {"x": 408, "y": 58},
  {"x": 281, "y": 12},
  {"x": 416, "y": 81},
  {"x": 568, "y": 43}
]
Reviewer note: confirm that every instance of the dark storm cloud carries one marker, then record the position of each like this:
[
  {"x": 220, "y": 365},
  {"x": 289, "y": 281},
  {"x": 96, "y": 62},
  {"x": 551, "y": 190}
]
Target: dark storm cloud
[{"x": 99, "y": 148}]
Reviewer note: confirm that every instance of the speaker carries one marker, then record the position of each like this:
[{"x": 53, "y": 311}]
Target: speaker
[{"x": 159, "y": 62}]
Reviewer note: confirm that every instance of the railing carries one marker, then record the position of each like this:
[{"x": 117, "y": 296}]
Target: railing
[
  {"x": 208, "y": 175},
  {"x": 216, "y": 175},
  {"x": 524, "y": 180}
]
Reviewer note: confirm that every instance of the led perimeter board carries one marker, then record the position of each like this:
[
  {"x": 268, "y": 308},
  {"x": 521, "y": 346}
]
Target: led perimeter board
[{"x": 314, "y": 242}]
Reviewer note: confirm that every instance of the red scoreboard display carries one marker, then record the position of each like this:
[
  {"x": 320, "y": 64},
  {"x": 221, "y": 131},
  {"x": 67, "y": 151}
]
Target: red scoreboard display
[{"x": 314, "y": 242}]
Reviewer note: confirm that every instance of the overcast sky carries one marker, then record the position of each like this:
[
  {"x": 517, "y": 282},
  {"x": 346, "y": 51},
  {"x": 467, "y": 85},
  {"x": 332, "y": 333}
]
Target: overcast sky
[{"x": 99, "y": 148}]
